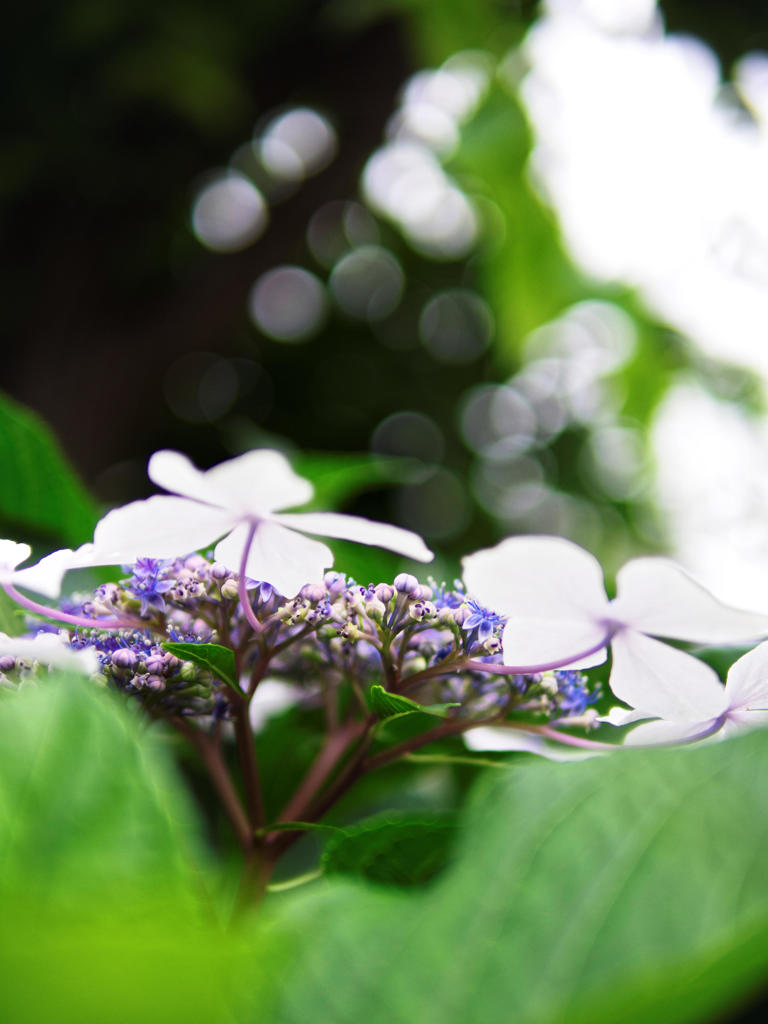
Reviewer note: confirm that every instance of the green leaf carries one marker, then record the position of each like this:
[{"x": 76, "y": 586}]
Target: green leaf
[
  {"x": 339, "y": 476},
  {"x": 301, "y": 826},
  {"x": 108, "y": 910},
  {"x": 12, "y": 617},
  {"x": 218, "y": 660},
  {"x": 41, "y": 496},
  {"x": 386, "y": 704},
  {"x": 629, "y": 888},
  {"x": 397, "y": 849},
  {"x": 81, "y": 799}
]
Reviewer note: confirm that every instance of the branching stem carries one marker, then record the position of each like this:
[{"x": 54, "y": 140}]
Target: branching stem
[{"x": 210, "y": 752}]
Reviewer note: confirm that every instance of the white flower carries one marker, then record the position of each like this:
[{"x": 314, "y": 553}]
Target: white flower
[
  {"x": 233, "y": 500},
  {"x": 558, "y": 612},
  {"x": 271, "y": 698},
  {"x": 46, "y": 575},
  {"x": 499, "y": 738},
  {"x": 49, "y": 649},
  {"x": 743, "y": 704}
]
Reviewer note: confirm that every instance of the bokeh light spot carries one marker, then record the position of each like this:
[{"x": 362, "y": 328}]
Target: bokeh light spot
[
  {"x": 456, "y": 326},
  {"x": 368, "y": 283},
  {"x": 297, "y": 144},
  {"x": 405, "y": 182},
  {"x": 201, "y": 387},
  {"x": 409, "y": 434},
  {"x": 338, "y": 226},
  {"x": 288, "y": 304},
  {"x": 437, "y": 507},
  {"x": 229, "y": 214}
]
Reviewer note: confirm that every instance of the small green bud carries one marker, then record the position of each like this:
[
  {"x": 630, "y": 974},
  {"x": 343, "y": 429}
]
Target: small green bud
[{"x": 189, "y": 671}]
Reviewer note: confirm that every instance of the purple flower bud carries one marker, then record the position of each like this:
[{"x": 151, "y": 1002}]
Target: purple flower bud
[
  {"x": 195, "y": 562},
  {"x": 461, "y": 614},
  {"x": 312, "y": 592},
  {"x": 7, "y": 663},
  {"x": 422, "y": 593},
  {"x": 154, "y": 683},
  {"x": 123, "y": 658},
  {"x": 229, "y": 589},
  {"x": 219, "y": 571},
  {"x": 405, "y": 583},
  {"x": 335, "y": 582},
  {"x": 155, "y": 664},
  {"x": 421, "y": 610},
  {"x": 384, "y": 592}
]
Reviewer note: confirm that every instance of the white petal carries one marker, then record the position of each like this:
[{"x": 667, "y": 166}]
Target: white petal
[
  {"x": 45, "y": 577},
  {"x": 49, "y": 649},
  {"x": 656, "y": 596},
  {"x": 487, "y": 737},
  {"x": 363, "y": 531},
  {"x": 159, "y": 527},
  {"x": 662, "y": 681},
  {"x": 538, "y": 644},
  {"x": 598, "y": 658},
  {"x": 660, "y": 733},
  {"x": 272, "y": 696},
  {"x": 278, "y": 556},
  {"x": 11, "y": 555},
  {"x": 260, "y": 482},
  {"x": 622, "y": 716},
  {"x": 738, "y": 721},
  {"x": 253, "y": 484},
  {"x": 538, "y": 577},
  {"x": 176, "y": 473},
  {"x": 747, "y": 684}
]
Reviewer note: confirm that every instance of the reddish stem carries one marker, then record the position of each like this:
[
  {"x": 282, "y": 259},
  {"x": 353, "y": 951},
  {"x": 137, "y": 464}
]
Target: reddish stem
[
  {"x": 71, "y": 620},
  {"x": 334, "y": 748},
  {"x": 210, "y": 752}
]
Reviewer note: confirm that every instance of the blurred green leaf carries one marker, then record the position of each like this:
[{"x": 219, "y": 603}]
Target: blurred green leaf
[
  {"x": 83, "y": 799},
  {"x": 397, "y": 849},
  {"x": 339, "y": 476},
  {"x": 41, "y": 495},
  {"x": 437, "y": 31},
  {"x": 106, "y": 890},
  {"x": 12, "y": 617},
  {"x": 218, "y": 660},
  {"x": 628, "y": 888},
  {"x": 386, "y": 704},
  {"x": 525, "y": 248},
  {"x": 364, "y": 563}
]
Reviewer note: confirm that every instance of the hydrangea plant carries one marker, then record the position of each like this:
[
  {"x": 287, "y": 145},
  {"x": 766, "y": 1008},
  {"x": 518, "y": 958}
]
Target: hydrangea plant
[{"x": 195, "y": 636}]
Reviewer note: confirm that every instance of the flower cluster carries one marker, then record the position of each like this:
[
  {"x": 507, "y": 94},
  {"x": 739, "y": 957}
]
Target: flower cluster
[
  {"x": 512, "y": 640},
  {"x": 417, "y": 638}
]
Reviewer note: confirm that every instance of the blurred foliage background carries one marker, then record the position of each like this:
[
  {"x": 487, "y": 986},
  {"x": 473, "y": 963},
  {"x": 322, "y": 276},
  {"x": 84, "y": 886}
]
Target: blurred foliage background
[{"x": 239, "y": 224}]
